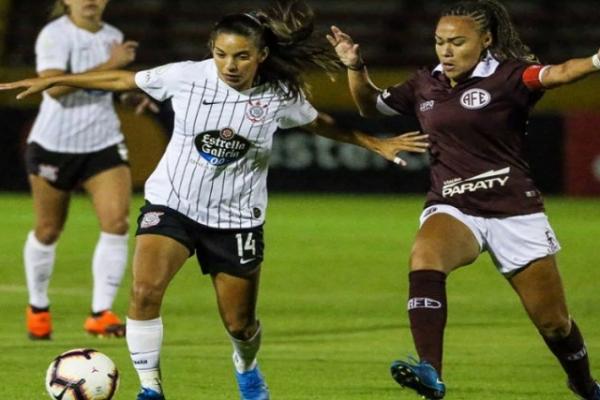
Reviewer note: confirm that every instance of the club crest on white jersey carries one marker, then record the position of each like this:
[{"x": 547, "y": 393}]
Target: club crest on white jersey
[
  {"x": 475, "y": 99},
  {"x": 221, "y": 147},
  {"x": 257, "y": 111}
]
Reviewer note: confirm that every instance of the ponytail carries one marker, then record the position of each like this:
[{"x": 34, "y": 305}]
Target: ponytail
[
  {"x": 287, "y": 30},
  {"x": 491, "y": 16}
]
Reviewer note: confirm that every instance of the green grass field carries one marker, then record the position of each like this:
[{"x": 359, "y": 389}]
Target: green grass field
[{"x": 332, "y": 305}]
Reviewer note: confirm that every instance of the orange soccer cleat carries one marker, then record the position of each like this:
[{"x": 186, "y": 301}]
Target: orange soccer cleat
[
  {"x": 105, "y": 323},
  {"x": 39, "y": 324}
]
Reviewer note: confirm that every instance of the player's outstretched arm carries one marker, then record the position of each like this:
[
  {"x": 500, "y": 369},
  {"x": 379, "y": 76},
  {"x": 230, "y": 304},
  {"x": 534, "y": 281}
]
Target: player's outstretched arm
[
  {"x": 570, "y": 71},
  {"x": 114, "y": 81},
  {"x": 363, "y": 90},
  {"x": 415, "y": 142}
]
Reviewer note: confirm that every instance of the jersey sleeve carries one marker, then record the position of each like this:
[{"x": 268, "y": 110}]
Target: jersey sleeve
[
  {"x": 532, "y": 77},
  {"x": 298, "y": 112},
  {"x": 160, "y": 82},
  {"x": 52, "y": 50},
  {"x": 399, "y": 99}
]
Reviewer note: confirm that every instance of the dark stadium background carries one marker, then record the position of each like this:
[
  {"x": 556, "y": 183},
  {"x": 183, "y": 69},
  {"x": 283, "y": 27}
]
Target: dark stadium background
[{"x": 396, "y": 36}]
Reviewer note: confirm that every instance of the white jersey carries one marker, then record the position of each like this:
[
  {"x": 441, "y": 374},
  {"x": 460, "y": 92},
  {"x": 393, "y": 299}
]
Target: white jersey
[
  {"x": 214, "y": 169},
  {"x": 83, "y": 121}
]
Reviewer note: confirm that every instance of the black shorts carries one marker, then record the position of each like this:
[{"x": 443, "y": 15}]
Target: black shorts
[
  {"x": 65, "y": 171},
  {"x": 236, "y": 252}
]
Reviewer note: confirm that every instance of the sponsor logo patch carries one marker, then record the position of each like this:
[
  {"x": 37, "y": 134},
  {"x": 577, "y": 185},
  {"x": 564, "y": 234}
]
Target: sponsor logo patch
[
  {"x": 474, "y": 99},
  {"x": 221, "y": 147},
  {"x": 487, "y": 180},
  {"x": 151, "y": 219}
]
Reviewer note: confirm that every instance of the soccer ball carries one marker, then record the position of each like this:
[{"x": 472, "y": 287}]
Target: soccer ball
[{"x": 82, "y": 374}]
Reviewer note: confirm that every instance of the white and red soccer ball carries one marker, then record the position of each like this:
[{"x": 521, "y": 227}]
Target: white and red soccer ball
[{"x": 82, "y": 374}]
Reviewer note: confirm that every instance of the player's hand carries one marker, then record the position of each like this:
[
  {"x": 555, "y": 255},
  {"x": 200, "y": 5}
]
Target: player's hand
[
  {"x": 345, "y": 48},
  {"x": 140, "y": 101},
  {"x": 388, "y": 148},
  {"x": 33, "y": 85},
  {"x": 122, "y": 54}
]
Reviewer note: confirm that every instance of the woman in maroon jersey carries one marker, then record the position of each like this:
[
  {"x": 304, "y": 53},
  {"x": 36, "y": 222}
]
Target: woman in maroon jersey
[{"x": 474, "y": 106}]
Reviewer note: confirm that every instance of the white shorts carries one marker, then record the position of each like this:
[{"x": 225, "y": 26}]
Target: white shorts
[{"x": 513, "y": 242}]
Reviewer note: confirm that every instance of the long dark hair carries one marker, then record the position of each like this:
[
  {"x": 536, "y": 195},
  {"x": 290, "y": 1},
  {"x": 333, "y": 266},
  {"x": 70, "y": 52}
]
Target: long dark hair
[
  {"x": 490, "y": 15},
  {"x": 59, "y": 8},
  {"x": 287, "y": 30}
]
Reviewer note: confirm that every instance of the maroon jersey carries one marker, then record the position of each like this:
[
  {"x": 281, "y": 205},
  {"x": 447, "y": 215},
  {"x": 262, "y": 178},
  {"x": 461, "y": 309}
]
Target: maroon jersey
[{"x": 476, "y": 131}]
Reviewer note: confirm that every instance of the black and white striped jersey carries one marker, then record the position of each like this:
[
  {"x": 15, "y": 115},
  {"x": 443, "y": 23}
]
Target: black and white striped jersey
[
  {"x": 83, "y": 121},
  {"x": 214, "y": 169}
]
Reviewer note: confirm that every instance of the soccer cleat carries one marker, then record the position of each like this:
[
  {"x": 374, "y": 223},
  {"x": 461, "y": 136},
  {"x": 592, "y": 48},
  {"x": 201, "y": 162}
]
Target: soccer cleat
[
  {"x": 595, "y": 395},
  {"x": 149, "y": 394},
  {"x": 105, "y": 323},
  {"x": 419, "y": 376},
  {"x": 39, "y": 324},
  {"x": 252, "y": 385}
]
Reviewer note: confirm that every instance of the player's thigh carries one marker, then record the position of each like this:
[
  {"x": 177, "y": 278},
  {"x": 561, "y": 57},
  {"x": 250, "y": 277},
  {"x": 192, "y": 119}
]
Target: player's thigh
[
  {"x": 443, "y": 243},
  {"x": 50, "y": 206},
  {"x": 110, "y": 191},
  {"x": 541, "y": 291},
  {"x": 156, "y": 260}
]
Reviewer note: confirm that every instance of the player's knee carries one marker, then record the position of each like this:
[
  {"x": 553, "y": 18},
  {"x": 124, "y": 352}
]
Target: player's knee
[
  {"x": 116, "y": 226},
  {"x": 420, "y": 258},
  {"x": 146, "y": 296},
  {"x": 555, "y": 329},
  {"x": 240, "y": 327},
  {"x": 47, "y": 233}
]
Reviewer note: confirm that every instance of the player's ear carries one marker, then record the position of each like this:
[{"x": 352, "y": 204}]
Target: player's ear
[
  {"x": 262, "y": 56},
  {"x": 487, "y": 40}
]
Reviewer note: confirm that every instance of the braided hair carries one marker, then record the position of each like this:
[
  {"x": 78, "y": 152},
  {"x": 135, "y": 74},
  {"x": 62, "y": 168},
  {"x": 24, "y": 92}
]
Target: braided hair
[
  {"x": 491, "y": 16},
  {"x": 287, "y": 30}
]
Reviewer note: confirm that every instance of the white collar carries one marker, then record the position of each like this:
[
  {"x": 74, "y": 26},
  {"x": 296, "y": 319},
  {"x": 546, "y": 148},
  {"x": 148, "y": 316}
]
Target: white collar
[{"x": 484, "y": 68}]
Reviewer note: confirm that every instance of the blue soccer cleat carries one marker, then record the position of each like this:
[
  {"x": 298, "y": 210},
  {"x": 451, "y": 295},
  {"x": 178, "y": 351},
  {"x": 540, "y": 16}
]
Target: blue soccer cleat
[
  {"x": 419, "y": 376},
  {"x": 595, "y": 395},
  {"x": 149, "y": 394},
  {"x": 252, "y": 385}
]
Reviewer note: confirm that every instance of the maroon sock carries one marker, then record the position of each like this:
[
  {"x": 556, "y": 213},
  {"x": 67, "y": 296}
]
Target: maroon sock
[
  {"x": 573, "y": 357},
  {"x": 427, "y": 312}
]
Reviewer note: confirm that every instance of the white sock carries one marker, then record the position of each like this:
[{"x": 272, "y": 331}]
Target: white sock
[
  {"x": 244, "y": 351},
  {"x": 108, "y": 267},
  {"x": 39, "y": 263},
  {"x": 144, "y": 340}
]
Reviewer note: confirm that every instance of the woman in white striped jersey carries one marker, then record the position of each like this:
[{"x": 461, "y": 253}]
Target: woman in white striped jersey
[
  {"x": 76, "y": 140},
  {"x": 208, "y": 194}
]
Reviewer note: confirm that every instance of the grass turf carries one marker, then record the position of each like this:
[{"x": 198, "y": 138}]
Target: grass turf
[{"x": 332, "y": 304}]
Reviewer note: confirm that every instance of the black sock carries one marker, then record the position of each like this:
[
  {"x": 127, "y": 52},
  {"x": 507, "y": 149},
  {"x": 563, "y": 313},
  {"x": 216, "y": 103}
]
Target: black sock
[
  {"x": 37, "y": 310},
  {"x": 427, "y": 312},
  {"x": 573, "y": 357}
]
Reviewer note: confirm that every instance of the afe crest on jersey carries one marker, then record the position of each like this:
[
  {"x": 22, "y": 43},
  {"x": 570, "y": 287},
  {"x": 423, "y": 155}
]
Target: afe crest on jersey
[
  {"x": 256, "y": 111},
  {"x": 221, "y": 147},
  {"x": 474, "y": 99}
]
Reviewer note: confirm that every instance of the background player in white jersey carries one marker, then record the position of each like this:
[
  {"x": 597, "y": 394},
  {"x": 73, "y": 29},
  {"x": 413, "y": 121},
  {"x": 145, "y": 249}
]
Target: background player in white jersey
[
  {"x": 76, "y": 139},
  {"x": 475, "y": 106},
  {"x": 208, "y": 194}
]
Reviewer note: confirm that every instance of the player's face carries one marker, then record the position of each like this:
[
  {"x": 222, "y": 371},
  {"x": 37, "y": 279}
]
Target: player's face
[
  {"x": 88, "y": 9},
  {"x": 237, "y": 59},
  {"x": 459, "y": 45}
]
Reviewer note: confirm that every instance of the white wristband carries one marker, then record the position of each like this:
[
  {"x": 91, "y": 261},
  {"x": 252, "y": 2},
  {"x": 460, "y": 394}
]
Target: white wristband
[{"x": 596, "y": 61}]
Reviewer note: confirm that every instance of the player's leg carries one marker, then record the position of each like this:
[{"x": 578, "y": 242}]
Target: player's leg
[
  {"x": 110, "y": 191},
  {"x": 50, "y": 208},
  {"x": 236, "y": 299},
  {"x": 541, "y": 291},
  {"x": 442, "y": 244},
  {"x": 156, "y": 260}
]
